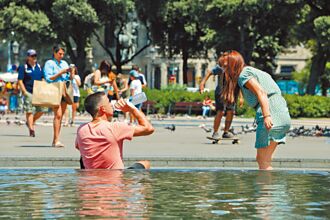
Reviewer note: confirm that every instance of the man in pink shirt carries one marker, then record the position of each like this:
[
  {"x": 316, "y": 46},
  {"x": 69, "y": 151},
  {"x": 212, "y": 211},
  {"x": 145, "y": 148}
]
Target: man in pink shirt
[{"x": 100, "y": 141}]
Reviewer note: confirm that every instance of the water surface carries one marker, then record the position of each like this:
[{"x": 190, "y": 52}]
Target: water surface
[{"x": 162, "y": 194}]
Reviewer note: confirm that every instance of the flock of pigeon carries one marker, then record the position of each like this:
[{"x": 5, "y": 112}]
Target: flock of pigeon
[
  {"x": 316, "y": 131},
  {"x": 16, "y": 121}
]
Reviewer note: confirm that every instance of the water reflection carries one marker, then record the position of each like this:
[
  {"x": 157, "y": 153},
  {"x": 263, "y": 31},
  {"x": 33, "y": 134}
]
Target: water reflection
[
  {"x": 111, "y": 193},
  {"x": 178, "y": 194}
]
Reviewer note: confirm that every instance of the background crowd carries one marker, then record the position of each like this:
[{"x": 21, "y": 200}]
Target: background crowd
[{"x": 56, "y": 69}]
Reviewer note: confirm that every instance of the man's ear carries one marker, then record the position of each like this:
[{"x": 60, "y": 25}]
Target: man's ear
[{"x": 101, "y": 110}]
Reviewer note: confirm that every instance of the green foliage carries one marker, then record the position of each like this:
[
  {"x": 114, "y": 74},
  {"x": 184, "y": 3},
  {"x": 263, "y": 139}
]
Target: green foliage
[
  {"x": 299, "y": 106},
  {"x": 74, "y": 17},
  {"x": 176, "y": 25},
  {"x": 83, "y": 95},
  {"x": 170, "y": 95},
  {"x": 29, "y": 26},
  {"x": 322, "y": 30},
  {"x": 308, "y": 106},
  {"x": 256, "y": 28},
  {"x": 313, "y": 29}
]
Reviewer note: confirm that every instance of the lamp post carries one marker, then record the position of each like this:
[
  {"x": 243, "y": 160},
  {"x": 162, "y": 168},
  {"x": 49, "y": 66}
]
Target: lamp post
[
  {"x": 89, "y": 56},
  {"x": 15, "y": 47},
  {"x": 152, "y": 55},
  {"x": 9, "y": 57}
]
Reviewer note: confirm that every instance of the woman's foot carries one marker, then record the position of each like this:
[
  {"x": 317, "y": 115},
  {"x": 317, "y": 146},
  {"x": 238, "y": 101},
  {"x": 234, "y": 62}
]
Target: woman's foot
[
  {"x": 58, "y": 144},
  {"x": 32, "y": 133}
]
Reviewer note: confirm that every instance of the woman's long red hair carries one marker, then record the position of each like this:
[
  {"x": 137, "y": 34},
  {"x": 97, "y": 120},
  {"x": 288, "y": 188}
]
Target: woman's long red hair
[{"x": 233, "y": 64}]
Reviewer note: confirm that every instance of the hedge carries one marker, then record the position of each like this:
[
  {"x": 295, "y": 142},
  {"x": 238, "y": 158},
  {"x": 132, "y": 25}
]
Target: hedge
[{"x": 299, "y": 106}]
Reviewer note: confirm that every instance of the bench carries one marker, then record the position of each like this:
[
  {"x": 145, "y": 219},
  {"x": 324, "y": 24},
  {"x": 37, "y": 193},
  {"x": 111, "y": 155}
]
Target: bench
[
  {"x": 188, "y": 107},
  {"x": 149, "y": 107}
]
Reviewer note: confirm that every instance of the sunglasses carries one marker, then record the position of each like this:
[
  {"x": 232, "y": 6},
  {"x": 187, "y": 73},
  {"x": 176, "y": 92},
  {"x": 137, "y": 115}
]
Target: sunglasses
[{"x": 33, "y": 56}]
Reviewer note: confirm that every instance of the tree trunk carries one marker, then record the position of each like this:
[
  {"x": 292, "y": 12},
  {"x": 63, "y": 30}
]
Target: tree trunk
[
  {"x": 118, "y": 62},
  {"x": 185, "y": 65},
  {"x": 325, "y": 84},
  {"x": 317, "y": 69},
  {"x": 81, "y": 60},
  {"x": 78, "y": 58}
]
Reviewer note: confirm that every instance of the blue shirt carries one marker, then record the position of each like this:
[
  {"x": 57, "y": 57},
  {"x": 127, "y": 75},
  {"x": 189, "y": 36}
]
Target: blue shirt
[
  {"x": 217, "y": 70},
  {"x": 28, "y": 74},
  {"x": 52, "y": 67}
]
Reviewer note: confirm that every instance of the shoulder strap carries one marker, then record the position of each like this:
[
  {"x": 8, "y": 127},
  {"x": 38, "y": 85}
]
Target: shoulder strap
[{"x": 25, "y": 68}]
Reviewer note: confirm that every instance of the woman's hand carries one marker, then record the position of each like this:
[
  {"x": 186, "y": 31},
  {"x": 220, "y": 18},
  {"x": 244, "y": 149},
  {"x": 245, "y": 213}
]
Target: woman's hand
[{"x": 268, "y": 122}]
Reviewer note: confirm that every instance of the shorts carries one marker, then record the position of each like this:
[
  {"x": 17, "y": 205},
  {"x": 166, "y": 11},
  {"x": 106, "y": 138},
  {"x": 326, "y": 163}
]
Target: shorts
[
  {"x": 112, "y": 97},
  {"x": 138, "y": 106},
  {"x": 29, "y": 108},
  {"x": 76, "y": 99},
  {"x": 219, "y": 102},
  {"x": 135, "y": 166},
  {"x": 3, "y": 108}
]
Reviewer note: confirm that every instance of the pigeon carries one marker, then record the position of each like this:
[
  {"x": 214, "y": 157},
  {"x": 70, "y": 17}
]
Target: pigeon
[
  {"x": 207, "y": 130},
  {"x": 171, "y": 128},
  {"x": 231, "y": 130},
  {"x": 8, "y": 121},
  {"x": 248, "y": 129},
  {"x": 19, "y": 122}
]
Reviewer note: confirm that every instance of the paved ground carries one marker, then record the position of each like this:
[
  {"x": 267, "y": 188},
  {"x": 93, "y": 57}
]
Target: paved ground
[{"x": 187, "y": 146}]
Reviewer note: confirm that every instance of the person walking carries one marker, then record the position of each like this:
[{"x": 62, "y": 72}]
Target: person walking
[
  {"x": 58, "y": 70},
  {"x": 100, "y": 141},
  {"x": 105, "y": 81},
  {"x": 263, "y": 94},
  {"x": 27, "y": 74},
  {"x": 123, "y": 88},
  {"x": 76, "y": 83},
  {"x": 141, "y": 76},
  {"x": 71, "y": 110},
  {"x": 135, "y": 88}
]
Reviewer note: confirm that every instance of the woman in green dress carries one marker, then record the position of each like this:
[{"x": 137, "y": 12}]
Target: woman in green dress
[{"x": 262, "y": 93}]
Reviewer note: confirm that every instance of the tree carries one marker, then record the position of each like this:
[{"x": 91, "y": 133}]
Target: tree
[
  {"x": 325, "y": 80},
  {"x": 259, "y": 29},
  {"x": 118, "y": 18},
  {"x": 45, "y": 22},
  {"x": 314, "y": 27},
  {"x": 30, "y": 27},
  {"x": 177, "y": 27},
  {"x": 322, "y": 30},
  {"x": 73, "y": 21}
]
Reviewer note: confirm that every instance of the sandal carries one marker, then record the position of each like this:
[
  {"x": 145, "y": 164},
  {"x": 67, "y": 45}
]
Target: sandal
[
  {"x": 32, "y": 133},
  {"x": 58, "y": 145}
]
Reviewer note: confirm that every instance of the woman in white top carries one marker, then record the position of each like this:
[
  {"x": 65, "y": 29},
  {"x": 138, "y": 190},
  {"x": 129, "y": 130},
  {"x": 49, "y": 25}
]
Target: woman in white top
[
  {"x": 105, "y": 81},
  {"x": 72, "y": 109},
  {"x": 135, "y": 88},
  {"x": 76, "y": 82}
]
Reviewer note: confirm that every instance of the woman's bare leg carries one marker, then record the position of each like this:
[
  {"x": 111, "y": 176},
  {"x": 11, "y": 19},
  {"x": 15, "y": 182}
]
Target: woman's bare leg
[
  {"x": 58, "y": 114},
  {"x": 74, "y": 111},
  {"x": 264, "y": 156}
]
